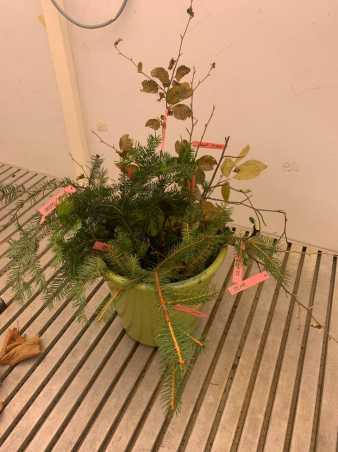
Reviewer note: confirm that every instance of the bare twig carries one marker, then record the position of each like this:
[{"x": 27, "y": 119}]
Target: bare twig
[
  {"x": 281, "y": 212},
  {"x": 103, "y": 141},
  {"x": 133, "y": 62},
  {"x": 182, "y": 36},
  {"x": 257, "y": 212},
  {"x": 203, "y": 79},
  {"x": 309, "y": 309},
  {"x": 206, "y": 125},
  {"x": 193, "y": 120},
  {"x": 78, "y": 164},
  {"x": 226, "y": 143}
]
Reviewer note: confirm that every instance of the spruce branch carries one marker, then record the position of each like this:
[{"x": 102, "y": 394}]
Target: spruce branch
[
  {"x": 167, "y": 319},
  {"x": 194, "y": 339}
]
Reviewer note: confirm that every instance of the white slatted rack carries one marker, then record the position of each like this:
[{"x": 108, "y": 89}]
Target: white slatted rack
[{"x": 267, "y": 380}]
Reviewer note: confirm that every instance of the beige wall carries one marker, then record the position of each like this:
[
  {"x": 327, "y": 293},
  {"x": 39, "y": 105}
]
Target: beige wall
[
  {"x": 275, "y": 87},
  {"x": 32, "y": 133}
]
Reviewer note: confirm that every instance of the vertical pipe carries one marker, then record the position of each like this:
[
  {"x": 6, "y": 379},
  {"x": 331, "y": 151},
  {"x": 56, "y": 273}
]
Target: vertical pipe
[{"x": 62, "y": 58}]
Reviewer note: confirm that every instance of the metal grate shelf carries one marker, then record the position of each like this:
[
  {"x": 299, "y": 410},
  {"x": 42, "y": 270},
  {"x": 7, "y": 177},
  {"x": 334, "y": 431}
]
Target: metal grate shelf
[{"x": 267, "y": 380}]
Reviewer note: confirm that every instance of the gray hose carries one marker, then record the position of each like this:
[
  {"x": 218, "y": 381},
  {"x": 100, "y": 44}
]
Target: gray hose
[{"x": 94, "y": 26}]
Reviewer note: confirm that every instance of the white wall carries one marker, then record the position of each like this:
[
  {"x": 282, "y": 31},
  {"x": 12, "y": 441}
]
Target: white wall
[
  {"x": 275, "y": 87},
  {"x": 32, "y": 132}
]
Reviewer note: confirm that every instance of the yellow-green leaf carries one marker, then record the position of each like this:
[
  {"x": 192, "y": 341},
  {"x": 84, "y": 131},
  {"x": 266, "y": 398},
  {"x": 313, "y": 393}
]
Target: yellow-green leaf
[
  {"x": 149, "y": 86},
  {"x": 181, "y": 72},
  {"x": 249, "y": 169},
  {"x": 226, "y": 191},
  {"x": 244, "y": 152},
  {"x": 181, "y": 111},
  {"x": 125, "y": 143},
  {"x": 206, "y": 162},
  {"x": 161, "y": 74},
  {"x": 153, "y": 123},
  {"x": 227, "y": 166},
  {"x": 178, "y": 92}
]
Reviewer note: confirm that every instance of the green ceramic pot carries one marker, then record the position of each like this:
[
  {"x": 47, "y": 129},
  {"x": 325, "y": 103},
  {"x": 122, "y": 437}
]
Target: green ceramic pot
[{"x": 138, "y": 307}]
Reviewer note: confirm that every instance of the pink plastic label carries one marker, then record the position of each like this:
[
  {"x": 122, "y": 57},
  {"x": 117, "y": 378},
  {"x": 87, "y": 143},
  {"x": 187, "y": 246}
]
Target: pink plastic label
[
  {"x": 206, "y": 144},
  {"x": 53, "y": 202},
  {"x": 237, "y": 275},
  {"x": 189, "y": 310},
  {"x": 249, "y": 282},
  {"x": 101, "y": 246},
  {"x": 69, "y": 189}
]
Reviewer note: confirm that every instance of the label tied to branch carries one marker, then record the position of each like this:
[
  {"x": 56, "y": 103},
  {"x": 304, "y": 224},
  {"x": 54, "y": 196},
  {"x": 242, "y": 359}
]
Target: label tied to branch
[
  {"x": 189, "y": 310},
  {"x": 237, "y": 275},
  {"x": 207, "y": 144},
  {"x": 101, "y": 246},
  {"x": 53, "y": 202},
  {"x": 249, "y": 282}
]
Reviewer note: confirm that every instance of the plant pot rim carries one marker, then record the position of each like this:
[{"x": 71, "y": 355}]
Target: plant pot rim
[{"x": 121, "y": 281}]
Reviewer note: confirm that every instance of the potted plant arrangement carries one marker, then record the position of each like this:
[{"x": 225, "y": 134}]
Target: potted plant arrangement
[{"x": 157, "y": 234}]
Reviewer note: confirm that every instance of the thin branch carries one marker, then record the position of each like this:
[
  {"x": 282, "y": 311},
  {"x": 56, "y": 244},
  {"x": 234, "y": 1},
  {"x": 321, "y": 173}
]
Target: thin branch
[
  {"x": 309, "y": 309},
  {"x": 208, "y": 74},
  {"x": 193, "y": 120},
  {"x": 206, "y": 125},
  {"x": 78, "y": 164},
  {"x": 103, "y": 141},
  {"x": 282, "y": 212},
  {"x": 258, "y": 213},
  {"x": 182, "y": 36},
  {"x": 131, "y": 60},
  {"x": 206, "y": 191}
]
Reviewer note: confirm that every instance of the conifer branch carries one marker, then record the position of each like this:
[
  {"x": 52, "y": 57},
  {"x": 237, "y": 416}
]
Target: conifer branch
[
  {"x": 194, "y": 339},
  {"x": 167, "y": 319}
]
